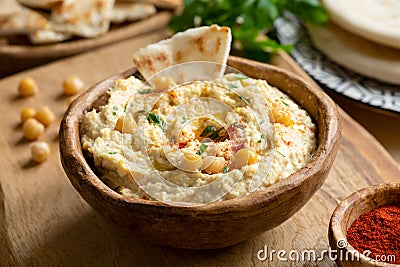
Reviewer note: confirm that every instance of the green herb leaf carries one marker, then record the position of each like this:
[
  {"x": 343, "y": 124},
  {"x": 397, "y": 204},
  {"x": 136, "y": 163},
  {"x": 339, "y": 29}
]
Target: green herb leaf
[
  {"x": 141, "y": 111},
  {"x": 225, "y": 169},
  {"x": 126, "y": 105},
  {"x": 240, "y": 76},
  {"x": 246, "y": 99},
  {"x": 184, "y": 120},
  {"x": 283, "y": 101},
  {"x": 215, "y": 135},
  {"x": 207, "y": 130},
  {"x": 144, "y": 91},
  {"x": 157, "y": 121},
  {"x": 231, "y": 85},
  {"x": 112, "y": 152},
  {"x": 235, "y": 124},
  {"x": 262, "y": 137},
  {"x": 202, "y": 149},
  {"x": 281, "y": 154},
  {"x": 115, "y": 110},
  {"x": 248, "y": 20}
]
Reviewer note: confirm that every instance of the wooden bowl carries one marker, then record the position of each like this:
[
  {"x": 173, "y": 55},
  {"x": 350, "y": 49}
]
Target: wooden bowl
[
  {"x": 219, "y": 224},
  {"x": 349, "y": 210},
  {"x": 23, "y": 55}
]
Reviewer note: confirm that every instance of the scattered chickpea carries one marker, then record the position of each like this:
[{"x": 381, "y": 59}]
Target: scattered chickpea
[
  {"x": 245, "y": 156},
  {"x": 216, "y": 165},
  {"x": 119, "y": 124},
  {"x": 27, "y": 113},
  {"x": 45, "y": 115},
  {"x": 27, "y": 87},
  {"x": 72, "y": 85},
  {"x": 282, "y": 116},
  {"x": 191, "y": 162},
  {"x": 40, "y": 151},
  {"x": 32, "y": 129}
]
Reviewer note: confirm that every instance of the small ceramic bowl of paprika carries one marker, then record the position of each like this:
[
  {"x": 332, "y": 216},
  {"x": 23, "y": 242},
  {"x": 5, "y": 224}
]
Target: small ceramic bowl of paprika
[{"x": 364, "y": 228}]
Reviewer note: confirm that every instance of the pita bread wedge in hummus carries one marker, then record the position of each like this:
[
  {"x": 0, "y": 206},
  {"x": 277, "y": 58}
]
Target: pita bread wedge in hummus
[
  {"x": 358, "y": 54},
  {"x": 8, "y": 8},
  {"x": 207, "y": 43},
  {"x": 131, "y": 11},
  {"x": 25, "y": 21},
  {"x": 44, "y": 4},
  {"x": 84, "y": 18},
  {"x": 375, "y": 20}
]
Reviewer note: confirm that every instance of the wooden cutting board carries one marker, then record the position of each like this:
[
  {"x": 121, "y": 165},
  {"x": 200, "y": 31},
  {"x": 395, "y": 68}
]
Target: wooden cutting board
[{"x": 44, "y": 222}]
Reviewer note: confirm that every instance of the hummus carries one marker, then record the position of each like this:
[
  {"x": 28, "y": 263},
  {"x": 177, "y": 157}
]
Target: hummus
[{"x": 197, "y": 142}]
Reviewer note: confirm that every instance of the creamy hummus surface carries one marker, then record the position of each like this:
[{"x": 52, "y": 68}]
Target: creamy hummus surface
[{"x": 197, "y": 142}]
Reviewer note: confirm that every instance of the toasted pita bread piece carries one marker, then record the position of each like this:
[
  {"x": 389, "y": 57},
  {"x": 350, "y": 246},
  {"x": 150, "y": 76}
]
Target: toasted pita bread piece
[
  {"x": 44, "y": 4},
  {"x": 375, "y": 20},
  {"x": 8, "y": 8},
  {"x": 358, "y": 54},
  {"x": 85, "y": 18},
  {"x": 211, "y": 43},
  {"x": 48, "y": 36},
  {"x": 23, "y": 22},
  {"x": 131, "y": 11}
]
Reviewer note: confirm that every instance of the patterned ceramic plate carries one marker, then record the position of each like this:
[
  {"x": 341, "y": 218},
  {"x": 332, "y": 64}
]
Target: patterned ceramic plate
[{"x": 335, "y": 77}]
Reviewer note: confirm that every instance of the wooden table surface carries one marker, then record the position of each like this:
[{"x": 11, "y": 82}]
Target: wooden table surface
[{"x": 44, "y": 222}]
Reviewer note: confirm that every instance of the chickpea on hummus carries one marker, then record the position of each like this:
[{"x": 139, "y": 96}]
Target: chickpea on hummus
[{"x": 163, "y": 144}]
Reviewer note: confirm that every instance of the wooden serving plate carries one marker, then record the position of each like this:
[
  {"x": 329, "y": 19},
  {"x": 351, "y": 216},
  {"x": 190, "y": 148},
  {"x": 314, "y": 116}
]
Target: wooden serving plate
[
  {"x": 44, "y": 222},
  {"x": 16, "y": 57}
]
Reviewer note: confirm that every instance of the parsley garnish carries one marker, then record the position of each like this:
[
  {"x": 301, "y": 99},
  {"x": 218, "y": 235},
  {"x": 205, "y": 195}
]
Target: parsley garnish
[
  {"x": 202, "y": 149},
  {"x": 141, "y": 111},
  {"x": 112, "y": 152},
  {"x": 286, "y": 104},
  {"x": 240, "y": 76},
  {"x": 183, "y": 120},
  {"x": 126, "y": 105},
  {"x": 238, "y": 126},
  {"x": 207, "y": 130},
  {"x": 212, "y": 133},
  {"x": 281, "y": 154},
  {"x": 157, "y": 121},
  {"x": 115, "y": 110},
  {"x": 215, "y": 135},
  {"x": 262, "y": 137},
  {"x": 231, "y": 85},
  {"x": 225, "y": 169},
  {"x": 144, "y": 91},
  {"x": 246, "y": 99},
  {"x": 248, "y": 20}
]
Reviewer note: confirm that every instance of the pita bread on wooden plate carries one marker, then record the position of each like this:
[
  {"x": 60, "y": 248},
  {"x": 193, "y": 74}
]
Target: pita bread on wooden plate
[
  {"x": 48, "y": 36},
  {"x": 44, "y": 4},
  {"x": 84, "y": 18},
  {"x": 207, "y": 43},
  {"x": 8, "y": 8},
  {"x": 375, "y": 20},
  {"x": 23, "y": 22},
  {"x": 131, "y": 11},
  {"x": 355, "y": 53}
]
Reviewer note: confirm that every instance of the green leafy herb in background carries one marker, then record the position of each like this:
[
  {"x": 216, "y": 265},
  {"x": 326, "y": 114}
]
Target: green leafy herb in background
[{"x": 249, "y": 20}]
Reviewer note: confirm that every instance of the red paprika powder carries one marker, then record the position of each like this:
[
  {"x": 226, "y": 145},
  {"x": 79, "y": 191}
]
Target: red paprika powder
[{"x": 378, "y": 231}]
